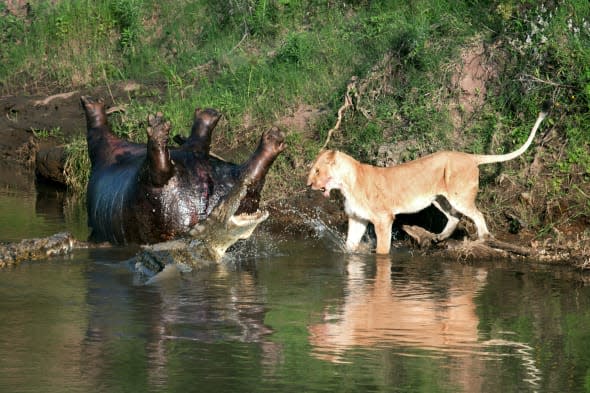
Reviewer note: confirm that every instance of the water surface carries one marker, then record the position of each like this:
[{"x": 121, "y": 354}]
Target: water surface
[{"x": 283, "y": 313}]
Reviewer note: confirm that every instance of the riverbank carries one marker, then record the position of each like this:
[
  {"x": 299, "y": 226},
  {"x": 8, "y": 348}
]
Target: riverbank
[
  {"x": 382, "y": 81},
  {"x": 31, "y": 151}
]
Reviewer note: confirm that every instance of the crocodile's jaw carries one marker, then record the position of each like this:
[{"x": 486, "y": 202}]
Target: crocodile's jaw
[{"x": 217, "y": 239}]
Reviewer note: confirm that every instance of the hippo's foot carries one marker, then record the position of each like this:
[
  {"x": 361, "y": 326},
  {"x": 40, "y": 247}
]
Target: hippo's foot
[
  {"x": 158, "y": 129},
  {"x": 95, "y": 113},
  {"x": 205, "y": 121},
  {"x": 273, "y": 141},
  {"x": 199, "y": 140}
]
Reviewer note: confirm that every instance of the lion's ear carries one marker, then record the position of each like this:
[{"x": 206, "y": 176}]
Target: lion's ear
[{"x": 331, "y": 157}]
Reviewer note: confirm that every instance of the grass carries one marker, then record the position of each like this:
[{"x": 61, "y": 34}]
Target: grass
[
  {"x": 260, "y": 59},
  {"x": 77, "y": 165}
]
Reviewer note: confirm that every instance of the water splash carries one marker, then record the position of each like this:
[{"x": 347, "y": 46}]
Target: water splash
[{"x": 333, "y": 238}]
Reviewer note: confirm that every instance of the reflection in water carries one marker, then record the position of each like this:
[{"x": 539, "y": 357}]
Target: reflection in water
[
  {"x": 43, "y": 325},
  {"x": 417, "y": 324},
  {"x": 40, "y": 211},
  {"x": 198, "y": 310},
  {"x": 16, "y": 179},
  {"x": 389, "y": 309},
  {"x": 284, "y": 315},
  {"x": 380, "y": 311},
  {"x": 526, "y": 354}
]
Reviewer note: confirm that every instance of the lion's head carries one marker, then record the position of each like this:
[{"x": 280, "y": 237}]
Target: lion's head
[{"x": 324, "y": 174}]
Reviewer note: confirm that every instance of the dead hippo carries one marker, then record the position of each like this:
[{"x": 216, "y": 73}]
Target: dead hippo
[{"x": 151, "y": 193}]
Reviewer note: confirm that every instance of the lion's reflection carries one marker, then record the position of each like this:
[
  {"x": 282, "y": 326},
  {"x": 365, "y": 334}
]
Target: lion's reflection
[{"x": 401, "y": 313}]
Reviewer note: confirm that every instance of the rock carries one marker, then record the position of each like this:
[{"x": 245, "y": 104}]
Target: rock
[{"x": 50, "y": 163}]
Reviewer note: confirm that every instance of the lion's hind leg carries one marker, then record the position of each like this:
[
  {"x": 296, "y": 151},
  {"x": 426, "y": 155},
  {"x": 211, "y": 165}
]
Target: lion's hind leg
[
  {"x": 479, "y": 221},
  {"x": 452, "y": 215},
  {"x": 462, "y": 193},
  {"x": 469, "y": 210}
]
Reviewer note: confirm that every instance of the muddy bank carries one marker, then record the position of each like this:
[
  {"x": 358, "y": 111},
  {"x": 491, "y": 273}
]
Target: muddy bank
[
  {"x": 30, "y": 149},
  {"x": 309, "y": 213},
  {"x": 34, "y": 129}
]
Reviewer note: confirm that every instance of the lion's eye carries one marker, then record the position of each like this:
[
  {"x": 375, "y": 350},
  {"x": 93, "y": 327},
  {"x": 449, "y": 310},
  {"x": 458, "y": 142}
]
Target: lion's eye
[{"x": 317, "y": 171}]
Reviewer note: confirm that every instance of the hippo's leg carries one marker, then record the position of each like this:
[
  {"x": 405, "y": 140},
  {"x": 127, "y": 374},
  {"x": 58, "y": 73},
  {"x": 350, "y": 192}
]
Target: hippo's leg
[
  {"x": 271, "y": 144},
  {"x": 104, "y": 147},
  {"x": 160, "y": 165},
  {"x": 96, "y": 116},
  {"x": 204, "y": 122}
]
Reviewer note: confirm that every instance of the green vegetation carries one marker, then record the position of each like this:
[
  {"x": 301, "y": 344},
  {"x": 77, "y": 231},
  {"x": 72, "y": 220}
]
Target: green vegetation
[
  {"x": 77, "y": 165},
  {"x": 257, "y": 61},
  {"x": 43, "y": 133}
]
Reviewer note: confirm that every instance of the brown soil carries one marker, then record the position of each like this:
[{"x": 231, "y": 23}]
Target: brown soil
[
  {"x": 33, "y": 129},
  {"x": 470, "y": 81}
]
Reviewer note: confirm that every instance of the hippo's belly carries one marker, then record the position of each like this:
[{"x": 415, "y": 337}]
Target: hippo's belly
[
  {"x": 107, "y": 199},
  {"x": 124, "y": 208}
]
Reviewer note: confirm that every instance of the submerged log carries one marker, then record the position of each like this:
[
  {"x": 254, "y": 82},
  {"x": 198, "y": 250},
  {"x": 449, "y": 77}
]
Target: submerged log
[{"x": 468, "y": 249}]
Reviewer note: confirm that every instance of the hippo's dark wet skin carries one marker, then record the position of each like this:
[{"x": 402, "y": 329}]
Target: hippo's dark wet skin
[
  {"x": 199, "y": 140},
  {"x": 153, "y": 193},
  {"x": 271, "y": 144},
  {"x": 208, "y": 241}
]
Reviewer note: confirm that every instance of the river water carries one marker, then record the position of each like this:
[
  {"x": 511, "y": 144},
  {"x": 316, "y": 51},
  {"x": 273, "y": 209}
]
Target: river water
[{"x": 282, "y": 313}]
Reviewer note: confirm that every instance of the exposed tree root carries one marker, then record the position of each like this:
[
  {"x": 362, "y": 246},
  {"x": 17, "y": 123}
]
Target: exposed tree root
[
  {"x": 62, "y": 96},
  {"x": 351, "y": 90},
  {"x": 357, "y": 89}
]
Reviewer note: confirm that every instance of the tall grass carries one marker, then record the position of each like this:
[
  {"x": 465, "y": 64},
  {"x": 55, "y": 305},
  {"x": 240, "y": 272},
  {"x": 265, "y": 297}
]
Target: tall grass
[{"x": 240, "y": 56}]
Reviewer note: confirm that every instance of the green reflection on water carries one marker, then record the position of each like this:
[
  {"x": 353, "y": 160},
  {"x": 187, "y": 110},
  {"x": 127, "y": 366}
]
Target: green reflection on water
[
  {"x": 81, "y": 323},
  {"x": 44, "y": 315},
  {"x": 552, "y": 315},
  {"x": 30, "y": 215}
]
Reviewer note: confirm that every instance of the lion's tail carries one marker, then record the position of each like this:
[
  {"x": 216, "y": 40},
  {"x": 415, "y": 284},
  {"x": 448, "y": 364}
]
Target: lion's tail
[{"x": 490, "y": 159}]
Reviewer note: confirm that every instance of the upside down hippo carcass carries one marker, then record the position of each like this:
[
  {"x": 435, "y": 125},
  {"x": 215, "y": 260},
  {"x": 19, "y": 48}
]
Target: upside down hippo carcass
[{"x": 153, "y": 193}]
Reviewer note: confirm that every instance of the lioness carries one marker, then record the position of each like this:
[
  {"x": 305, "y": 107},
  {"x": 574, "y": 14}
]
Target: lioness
[{"x": 447, "y": 179}]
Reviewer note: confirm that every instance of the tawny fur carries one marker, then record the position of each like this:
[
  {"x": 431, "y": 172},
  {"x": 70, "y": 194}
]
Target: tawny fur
[{"x": 377, "y": 195}]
